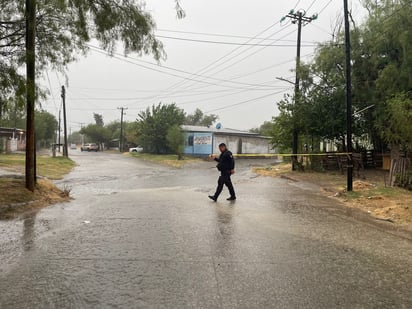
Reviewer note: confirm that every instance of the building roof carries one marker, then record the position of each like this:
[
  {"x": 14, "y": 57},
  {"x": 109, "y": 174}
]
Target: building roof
[
  {"x": 9, "y": 131},
  {"x": 212, "y": 129}
]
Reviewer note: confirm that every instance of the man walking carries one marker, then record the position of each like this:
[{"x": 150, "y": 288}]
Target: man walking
[{"x": 226, "y": 166}]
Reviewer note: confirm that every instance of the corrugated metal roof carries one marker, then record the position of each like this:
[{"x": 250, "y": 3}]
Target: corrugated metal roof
[{"x": 213, "y": 129}]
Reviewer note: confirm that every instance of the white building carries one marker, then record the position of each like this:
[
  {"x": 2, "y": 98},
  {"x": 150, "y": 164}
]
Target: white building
[{"x": 206, "y": 140}]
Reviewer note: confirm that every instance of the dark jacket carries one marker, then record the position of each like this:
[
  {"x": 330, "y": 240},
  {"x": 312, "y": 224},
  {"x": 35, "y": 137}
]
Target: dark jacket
[{"x": 226, "y": 161}]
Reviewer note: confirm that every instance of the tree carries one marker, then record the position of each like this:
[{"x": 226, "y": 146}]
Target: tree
[
  {"x": 48, "y": 34},
  {"x": 198, "y": 118},
  {"x": 153, "y": 125},
  {"x": 97, "y": 133},
  {"x": 265, "y": 129},
  {"x": 175, "y": 140},
  {"x": 398, "y": 129},
  {"x": 98, "y": 118},
  {"x": 45, "y": 127}
]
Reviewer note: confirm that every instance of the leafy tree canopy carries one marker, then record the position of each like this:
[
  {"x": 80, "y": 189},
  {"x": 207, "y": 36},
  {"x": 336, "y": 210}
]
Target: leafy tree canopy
[
  {"x": 176, "y": 140},
  {"x": 381, "y": 82},
  {"x": 63, "y": 30},
  {"x": 45, "y": 127},
  {"x": 153, "y": 125},
  {"x": 198, "y": 118}
]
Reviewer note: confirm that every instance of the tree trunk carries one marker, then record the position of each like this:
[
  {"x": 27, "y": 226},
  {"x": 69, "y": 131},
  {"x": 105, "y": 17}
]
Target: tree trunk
[
  {"x": 30, "y": 88},
  {"x": 395, "y": 151}
]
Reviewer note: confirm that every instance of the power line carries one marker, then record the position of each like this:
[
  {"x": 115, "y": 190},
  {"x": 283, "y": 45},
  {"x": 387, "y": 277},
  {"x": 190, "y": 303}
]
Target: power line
[
  {"x": 232, "y": 43},
  {"x": 238, "y": 54},
  {"x": 249, "y": 55},
  {"x": 324, "y": 8},
  {"x": 122, "y": 58},
  {"x": 215, "y": 62},
  {"x": 222, "y": 35},
  {"x": 244, "y": 102},
  {"x": 310, "y": 6}
]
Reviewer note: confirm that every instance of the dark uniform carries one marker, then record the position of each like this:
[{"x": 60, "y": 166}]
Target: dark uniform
[{"x": 225, "y": 165}]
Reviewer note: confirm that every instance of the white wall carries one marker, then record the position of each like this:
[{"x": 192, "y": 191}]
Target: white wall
[{"x": 249, "y": 145}]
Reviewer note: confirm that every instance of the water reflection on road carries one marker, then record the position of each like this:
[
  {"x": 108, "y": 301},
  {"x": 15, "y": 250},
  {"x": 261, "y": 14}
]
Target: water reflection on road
[{"x": 139, "y": 235}]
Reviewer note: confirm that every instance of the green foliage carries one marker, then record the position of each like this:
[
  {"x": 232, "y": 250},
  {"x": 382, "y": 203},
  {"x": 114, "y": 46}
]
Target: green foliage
[
  {"x": 381, "y": 77},
  {"x": 153, "y": 125},
  {"x": 398, "y": 120},
  {"x": 283, "y": 126},
  {"x": 198, "y": 118},
  {"x": 98, "y": 118},
  {"x": 96, "y": 133},
  {"x": 45, "y": 126},
  {"x": 130, "y": 132},
  {"x": 63, "y": 30},
  {"x": 175, "y": 140},
  {"x": 266, "y": 129}
]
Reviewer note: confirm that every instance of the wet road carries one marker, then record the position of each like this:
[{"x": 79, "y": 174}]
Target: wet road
[{"x": 140, "y": 235}]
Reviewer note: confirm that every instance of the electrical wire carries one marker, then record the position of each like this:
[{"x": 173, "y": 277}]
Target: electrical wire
[
  {"x": 238, "y": 54},
  {"x": 215, "y": 62},
  {"x": 223, "y": 35},
  {"x": 310, "y": 6},
  {"x": 244, "y": 102},
  {"x": 122, "y": 58},
  {"x": 324, "y": 8},
  {"x": 233, "y": 43}
]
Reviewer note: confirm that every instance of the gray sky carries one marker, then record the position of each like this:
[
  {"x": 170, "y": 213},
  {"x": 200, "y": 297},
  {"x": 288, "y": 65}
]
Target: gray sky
[{"x": 236, "y": 82}]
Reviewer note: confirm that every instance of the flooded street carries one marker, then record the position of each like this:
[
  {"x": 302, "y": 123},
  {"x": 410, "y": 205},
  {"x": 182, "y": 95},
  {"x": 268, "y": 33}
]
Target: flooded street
[{"x": 140, "y": 235}]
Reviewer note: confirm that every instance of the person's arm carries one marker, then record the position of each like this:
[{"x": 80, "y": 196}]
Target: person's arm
[
  {"x": 232, "y": 163},
  {"x": 212, "y": 157}
]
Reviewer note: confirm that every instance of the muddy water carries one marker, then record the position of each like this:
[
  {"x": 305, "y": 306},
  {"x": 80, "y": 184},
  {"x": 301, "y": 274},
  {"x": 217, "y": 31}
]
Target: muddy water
[{"x": 138, "y": 235}]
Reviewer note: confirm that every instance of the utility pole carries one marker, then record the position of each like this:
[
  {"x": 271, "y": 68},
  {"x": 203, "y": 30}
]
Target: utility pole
[
  {"x": 348, "y": 99},
  {"x": 121, "y": 140},
  {"x": 299, "y": 18},
  {"x": 30, "y": 93},
  {"x": 63, "y": 95},
  {"x": 60, "y": 126}
]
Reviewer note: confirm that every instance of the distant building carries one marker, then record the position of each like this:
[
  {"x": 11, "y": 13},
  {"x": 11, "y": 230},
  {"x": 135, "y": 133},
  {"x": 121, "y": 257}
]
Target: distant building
[
  {"x": 206, "y": 140},
  {"x": 12, "y": 140}
]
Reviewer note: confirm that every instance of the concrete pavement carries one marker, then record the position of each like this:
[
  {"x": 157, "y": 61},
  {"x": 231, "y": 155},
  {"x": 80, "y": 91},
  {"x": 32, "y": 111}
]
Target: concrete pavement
[{"x": 139, "y": 235}]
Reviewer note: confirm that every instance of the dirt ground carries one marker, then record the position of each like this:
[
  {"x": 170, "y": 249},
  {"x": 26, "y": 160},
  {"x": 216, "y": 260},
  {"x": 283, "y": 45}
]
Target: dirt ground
[
  {"x": 370, "y": 192},
  {"x": 19, "y": 200}
]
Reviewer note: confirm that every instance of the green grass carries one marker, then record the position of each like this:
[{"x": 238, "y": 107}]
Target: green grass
[
  {"x": 52, "y": 168},
  {"x": 353, "y": 194}
]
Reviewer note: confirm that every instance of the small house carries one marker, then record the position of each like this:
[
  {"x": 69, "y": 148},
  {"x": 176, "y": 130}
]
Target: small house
[{"x": 205, "y": 140}]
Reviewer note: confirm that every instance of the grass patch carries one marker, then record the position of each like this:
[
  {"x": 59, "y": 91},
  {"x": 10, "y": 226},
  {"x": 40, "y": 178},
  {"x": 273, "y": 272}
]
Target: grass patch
[
  {"x": 169, "y": 159},
  {"x": 49, "y": 167},
  {"x": 369, "y": 193},
  {"x": 18, "y": 199},
  {"x": 353, "y": 194}
]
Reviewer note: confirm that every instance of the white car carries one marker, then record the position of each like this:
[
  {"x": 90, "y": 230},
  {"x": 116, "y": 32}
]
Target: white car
[{"x": 136, "y": 149}]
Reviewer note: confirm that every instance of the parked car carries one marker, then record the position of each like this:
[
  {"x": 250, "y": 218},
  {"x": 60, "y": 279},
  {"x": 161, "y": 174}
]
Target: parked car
[
  {"x": 136, "y": 149},
  {"x": 90, "y": 147}
]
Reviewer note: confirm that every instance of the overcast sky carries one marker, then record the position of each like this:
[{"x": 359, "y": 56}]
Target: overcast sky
[{"x": 236, "y": 82}]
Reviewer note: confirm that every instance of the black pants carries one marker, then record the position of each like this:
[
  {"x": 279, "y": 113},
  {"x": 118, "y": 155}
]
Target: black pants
[{"x": 224, "y": 179}]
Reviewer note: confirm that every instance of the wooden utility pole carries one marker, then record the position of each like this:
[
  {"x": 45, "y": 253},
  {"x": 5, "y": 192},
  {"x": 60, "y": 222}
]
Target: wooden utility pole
[
  {"x": 65, "y": 149},
  {"x": 30, "y": 93},
  {"x": 60, "y": 126},
  {"x": 299, "y": 18},
  {"x": 348, "y": 99},
  {"x": 121, "y": 139}
]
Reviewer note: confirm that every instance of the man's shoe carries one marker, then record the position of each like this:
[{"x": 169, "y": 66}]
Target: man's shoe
[
  {"x": 213, "y": 198},
  {"x": 232, "y": 198}
]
